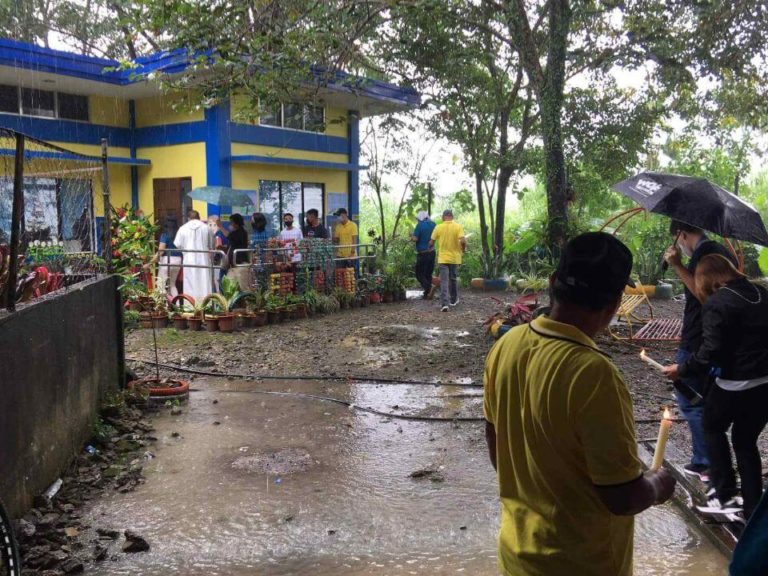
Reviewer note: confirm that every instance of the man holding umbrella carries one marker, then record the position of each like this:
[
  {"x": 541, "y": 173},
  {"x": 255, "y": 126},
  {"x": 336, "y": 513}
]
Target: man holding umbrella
[
  {"x": 693, "y": 243},
  {"x": 694, "y": 205}
]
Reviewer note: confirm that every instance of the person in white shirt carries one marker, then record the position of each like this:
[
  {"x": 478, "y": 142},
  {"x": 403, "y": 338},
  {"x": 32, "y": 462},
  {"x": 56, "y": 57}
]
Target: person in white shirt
[
  {"x": 291, "y": 235},
  {"x": 196, "y": 235}
]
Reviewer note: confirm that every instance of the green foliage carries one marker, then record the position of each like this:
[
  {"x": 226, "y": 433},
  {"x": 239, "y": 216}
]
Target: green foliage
[{"x": 763, "y": 261}]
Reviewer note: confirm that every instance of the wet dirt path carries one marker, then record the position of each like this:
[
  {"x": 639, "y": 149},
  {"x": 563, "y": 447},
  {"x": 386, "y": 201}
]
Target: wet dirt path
[{"x": 245, "y": 483}]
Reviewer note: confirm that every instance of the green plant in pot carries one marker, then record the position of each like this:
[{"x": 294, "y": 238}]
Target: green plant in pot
[
  {"x": 216, "y": 314},
  {"x": 274, "y": 304},
  {"x": 310, "y": 300},
  {"x": 159, "y": 305},
  {"x": 254, "y": 305}
]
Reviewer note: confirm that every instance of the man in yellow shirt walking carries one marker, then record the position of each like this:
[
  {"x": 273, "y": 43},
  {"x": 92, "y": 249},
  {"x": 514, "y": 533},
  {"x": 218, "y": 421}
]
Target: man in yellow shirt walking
[
  {"x": 560, "y": 428},
  {"x": 451, "y": 244}
]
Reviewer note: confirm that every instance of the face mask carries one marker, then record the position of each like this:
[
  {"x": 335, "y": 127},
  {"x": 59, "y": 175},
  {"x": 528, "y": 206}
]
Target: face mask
[
  {"x": 685, "y": 250},
  {"x": 289, "y": 223}
]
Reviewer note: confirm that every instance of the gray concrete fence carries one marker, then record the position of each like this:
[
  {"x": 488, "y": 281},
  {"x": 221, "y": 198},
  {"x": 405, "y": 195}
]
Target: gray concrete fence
[{"x": 59, "y": 356}]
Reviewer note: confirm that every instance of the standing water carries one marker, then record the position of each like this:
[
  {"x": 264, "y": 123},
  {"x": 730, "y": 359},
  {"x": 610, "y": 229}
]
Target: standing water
[{"x": 294, "y": 486}]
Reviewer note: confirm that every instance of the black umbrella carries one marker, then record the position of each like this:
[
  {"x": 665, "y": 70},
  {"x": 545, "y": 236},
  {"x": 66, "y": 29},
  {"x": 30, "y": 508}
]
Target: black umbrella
[{"x": 698, "y": 202}]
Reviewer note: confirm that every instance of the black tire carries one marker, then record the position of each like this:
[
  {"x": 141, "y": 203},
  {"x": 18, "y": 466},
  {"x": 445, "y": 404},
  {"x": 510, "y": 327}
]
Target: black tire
[{"x": 10, "y": 563}]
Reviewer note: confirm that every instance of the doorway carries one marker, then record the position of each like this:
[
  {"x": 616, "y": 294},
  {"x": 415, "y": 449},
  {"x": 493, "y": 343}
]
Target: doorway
[{"x": 170, "y": 197}]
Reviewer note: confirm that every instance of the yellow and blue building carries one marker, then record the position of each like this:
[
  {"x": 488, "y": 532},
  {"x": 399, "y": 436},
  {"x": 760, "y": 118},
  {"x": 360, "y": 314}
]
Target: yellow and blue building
[{"x": 163, "y": 145}]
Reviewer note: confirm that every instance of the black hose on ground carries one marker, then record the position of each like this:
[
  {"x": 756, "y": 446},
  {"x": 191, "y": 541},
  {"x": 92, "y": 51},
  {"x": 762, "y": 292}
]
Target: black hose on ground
[
  {"x": 353, "y": 378},
  {"x": 337, "y": 400},
  {"x": 344, "y": 379}
]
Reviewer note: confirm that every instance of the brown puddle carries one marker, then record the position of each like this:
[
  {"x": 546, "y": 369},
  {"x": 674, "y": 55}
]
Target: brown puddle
[{"x": 295, "y": 486}]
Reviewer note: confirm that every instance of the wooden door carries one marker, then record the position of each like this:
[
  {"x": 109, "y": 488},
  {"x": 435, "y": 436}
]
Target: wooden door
[{"x": 171, "y": 199}]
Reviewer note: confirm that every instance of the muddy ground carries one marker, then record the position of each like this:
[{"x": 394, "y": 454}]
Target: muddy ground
[
  {"x": 410, "y": 340},
  {"x": 267, "y": 476}
]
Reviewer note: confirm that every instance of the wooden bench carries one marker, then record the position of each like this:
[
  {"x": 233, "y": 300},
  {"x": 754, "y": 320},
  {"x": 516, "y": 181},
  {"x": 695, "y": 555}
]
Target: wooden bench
[{"x": 629, "y": 312}]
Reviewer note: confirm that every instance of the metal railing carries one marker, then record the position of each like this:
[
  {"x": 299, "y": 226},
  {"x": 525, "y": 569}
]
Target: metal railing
[{"x": 212, "y": 266}]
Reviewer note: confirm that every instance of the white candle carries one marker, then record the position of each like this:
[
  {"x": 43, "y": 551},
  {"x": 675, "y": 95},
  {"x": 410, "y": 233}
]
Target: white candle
[
  {"x": 661, "y": 441},
  {"x": 650, "y": 361}
]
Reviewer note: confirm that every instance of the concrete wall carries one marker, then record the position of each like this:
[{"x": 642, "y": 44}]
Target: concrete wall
[{"x": 58, "y": 357}]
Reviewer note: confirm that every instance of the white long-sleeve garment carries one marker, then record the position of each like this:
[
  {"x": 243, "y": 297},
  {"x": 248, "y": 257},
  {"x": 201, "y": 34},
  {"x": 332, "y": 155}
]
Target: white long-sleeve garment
[{"x": 196, "y": 235}]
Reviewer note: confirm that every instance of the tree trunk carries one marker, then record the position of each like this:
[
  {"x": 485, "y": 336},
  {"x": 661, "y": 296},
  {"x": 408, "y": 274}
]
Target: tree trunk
[
  {"x": 505, "y": 173},
  {"x": 483, "y": 223},
  {"x": 551, "y": 106}
]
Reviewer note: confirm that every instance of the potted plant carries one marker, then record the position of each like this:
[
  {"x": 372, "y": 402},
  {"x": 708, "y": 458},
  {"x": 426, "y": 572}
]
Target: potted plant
[
  {"x": 254, "y": 305},
  {"x": 214, "y": 308},
  {"x": 178, "y": 310},
  {"x": 273, "y": 304},
  {"x": 236, "y": 300},
  {"x": 310, "y": 301},
  {"x": 159, "y": 312}
]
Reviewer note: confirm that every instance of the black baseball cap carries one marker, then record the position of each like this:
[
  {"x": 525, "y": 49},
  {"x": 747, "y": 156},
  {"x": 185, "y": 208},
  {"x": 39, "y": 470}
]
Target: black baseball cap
[{"x": 595, "y": 261}]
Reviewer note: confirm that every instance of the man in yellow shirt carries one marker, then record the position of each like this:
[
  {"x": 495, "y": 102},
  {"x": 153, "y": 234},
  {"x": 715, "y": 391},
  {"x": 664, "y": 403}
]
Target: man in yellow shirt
[
  {"x": 560, "y": 429},
  {"x": 451, "y": 244},
  {"x": 345, "y": 233}
]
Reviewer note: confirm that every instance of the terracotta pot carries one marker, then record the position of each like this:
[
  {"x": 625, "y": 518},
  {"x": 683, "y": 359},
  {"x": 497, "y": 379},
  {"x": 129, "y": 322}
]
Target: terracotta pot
[
  {"x": 301, "y": 311},
  {"x": 283, "y": 315},
  {"x": 194, "y": 324},
  {"x": 168, "y": 388},
  {"x": 211, "y": 324},
  {"x": 375, "y": 298},
  {"x": 179, "y": 322},
  {"x": 159, "y": 321},
  {"x": 260, "y": 318},
  {"x": 273, "y": 316},
  {"x": 145, "y": 320},
  {"x": 227, "y": 323},
  {"x": 133, "y": 305},
  {"x": 388, "y": 298}
]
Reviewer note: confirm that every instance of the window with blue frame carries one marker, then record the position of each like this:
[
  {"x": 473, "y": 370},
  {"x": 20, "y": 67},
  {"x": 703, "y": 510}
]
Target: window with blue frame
[{"x": 277, "y": 198}]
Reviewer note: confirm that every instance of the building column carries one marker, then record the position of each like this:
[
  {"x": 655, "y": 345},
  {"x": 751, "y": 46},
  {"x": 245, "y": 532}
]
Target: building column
[
  {"x": 353, "y": 136},
  {"x": 134, "y": 169},
  {"x": 218, "y": 150}
]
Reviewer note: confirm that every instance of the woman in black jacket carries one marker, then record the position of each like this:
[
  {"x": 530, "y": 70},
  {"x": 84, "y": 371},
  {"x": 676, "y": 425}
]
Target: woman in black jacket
[{"x": 735, "y": 343}]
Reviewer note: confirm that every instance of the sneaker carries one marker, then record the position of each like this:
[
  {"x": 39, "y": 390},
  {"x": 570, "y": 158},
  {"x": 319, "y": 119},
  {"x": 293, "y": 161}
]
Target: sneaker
[
  {"x": 444, "y": 309},
  {"x": 455, "y": 303},
  {"x": 699, "y": 471},
  {"x": 714, "y": 506}
]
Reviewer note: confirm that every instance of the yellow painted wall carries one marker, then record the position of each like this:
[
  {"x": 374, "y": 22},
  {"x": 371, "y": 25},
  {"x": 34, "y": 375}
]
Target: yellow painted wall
[
  {"x": 247, "y": 176},
  {"x": 159, "y": 110},
  {"x": 108, "y": 110},
  {"x": 335, "y": 121},
  {"x": 178, "y": 161},
  {"x": 240, "y": 149}
]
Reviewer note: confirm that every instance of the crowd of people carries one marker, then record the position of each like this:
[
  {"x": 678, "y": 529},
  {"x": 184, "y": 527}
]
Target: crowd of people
[{"x": 187, "y": 254}]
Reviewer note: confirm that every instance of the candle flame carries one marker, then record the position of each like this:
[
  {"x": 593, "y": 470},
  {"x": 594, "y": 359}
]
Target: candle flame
[{"x": 667, "y": 415}]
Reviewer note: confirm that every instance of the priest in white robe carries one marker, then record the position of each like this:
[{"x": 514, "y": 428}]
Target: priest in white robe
[{"x": 196, "y": 235}]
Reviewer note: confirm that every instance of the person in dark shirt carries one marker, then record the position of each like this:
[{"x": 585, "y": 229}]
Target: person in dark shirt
[
  {"x": 314, "y": 228},
  {"x": 693, "y": 243},
  {"x": 733, "y": 340},
  {"x": 237, "y": 240},
  {"x": 425, "y": 256}
]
